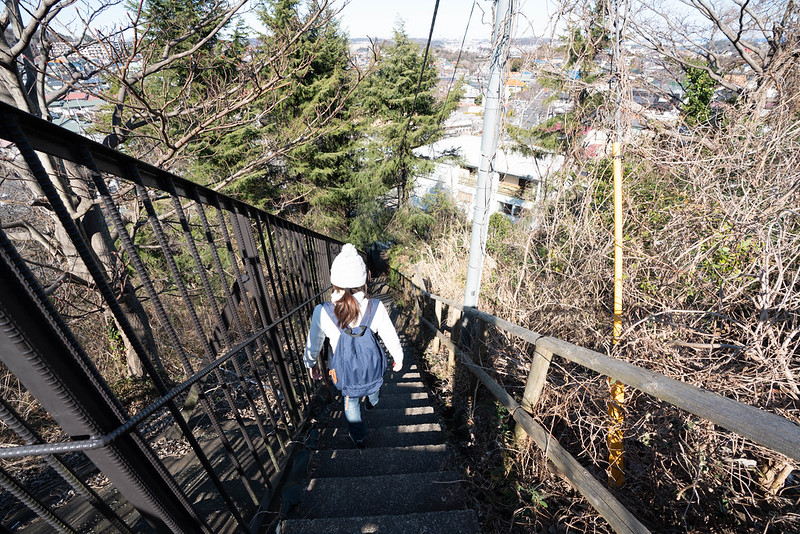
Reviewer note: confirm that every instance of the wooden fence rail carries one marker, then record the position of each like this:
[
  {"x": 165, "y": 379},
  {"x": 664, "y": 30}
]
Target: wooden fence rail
[{"x": 761, "y": 427}]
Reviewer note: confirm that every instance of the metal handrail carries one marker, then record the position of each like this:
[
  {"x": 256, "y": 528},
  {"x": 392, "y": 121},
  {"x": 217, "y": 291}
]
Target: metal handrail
[
  {"x": 268, "y": 271},
  {"x": 127, "y": 426}
]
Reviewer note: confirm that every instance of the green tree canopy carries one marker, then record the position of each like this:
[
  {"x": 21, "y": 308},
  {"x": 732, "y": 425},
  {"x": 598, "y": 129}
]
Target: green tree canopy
[
  {"x": 699, "y": 87},
  {"x": 310, "y": 116},
  {"x": 400, "y": 113}
]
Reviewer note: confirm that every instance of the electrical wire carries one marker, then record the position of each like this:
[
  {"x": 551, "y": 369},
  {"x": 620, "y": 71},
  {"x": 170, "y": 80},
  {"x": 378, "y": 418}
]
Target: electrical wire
[
  {"x": 421, "y": 75},
  {"x": 458, "y": 60}
]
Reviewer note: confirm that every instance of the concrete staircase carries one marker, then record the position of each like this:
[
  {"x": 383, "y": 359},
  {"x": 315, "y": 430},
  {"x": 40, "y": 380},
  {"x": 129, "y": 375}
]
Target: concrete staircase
[{"x": 398, "y": 484}]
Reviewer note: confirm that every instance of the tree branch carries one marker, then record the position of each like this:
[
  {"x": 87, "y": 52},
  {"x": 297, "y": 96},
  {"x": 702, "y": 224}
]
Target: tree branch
[{"x": 33, "y": 235}]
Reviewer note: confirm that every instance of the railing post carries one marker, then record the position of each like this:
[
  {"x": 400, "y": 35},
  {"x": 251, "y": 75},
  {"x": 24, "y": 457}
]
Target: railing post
[
  {"x": 252, "y": 264},
  {"x": 437, "y": 310},
  {"x": 455, "y": 331},
  {"x": 534, "y": 386},
  {"x": 479, "y": 343},
  {"x": 418, "y": 284},
  {"x": 472, "y": 334}
]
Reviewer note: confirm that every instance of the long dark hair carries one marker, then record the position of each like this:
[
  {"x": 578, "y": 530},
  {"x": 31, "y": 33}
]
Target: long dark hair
[{"x": 346, "y": 308}]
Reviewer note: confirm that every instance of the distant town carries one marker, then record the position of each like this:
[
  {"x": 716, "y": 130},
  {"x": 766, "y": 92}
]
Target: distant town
[
  {"x": 655, "y": 95},
  {"x": 655, "y": 91}
]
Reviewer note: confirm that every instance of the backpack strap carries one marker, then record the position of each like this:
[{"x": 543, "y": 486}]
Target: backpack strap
[
  {"x": 369, "y": 313},
  {"x": 328, "y": 307}
]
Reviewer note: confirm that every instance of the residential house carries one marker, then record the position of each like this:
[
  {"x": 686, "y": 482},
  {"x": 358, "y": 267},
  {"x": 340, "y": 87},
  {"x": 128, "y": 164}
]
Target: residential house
[{"x": 515, "y": 183}]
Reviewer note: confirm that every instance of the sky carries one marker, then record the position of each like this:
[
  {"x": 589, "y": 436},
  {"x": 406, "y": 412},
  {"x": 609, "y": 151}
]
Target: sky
[{"x": 378, "y": 18}]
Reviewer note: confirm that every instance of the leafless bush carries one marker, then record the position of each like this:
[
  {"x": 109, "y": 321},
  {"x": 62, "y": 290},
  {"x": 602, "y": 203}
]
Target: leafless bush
[{"x": 711, "y": 297}]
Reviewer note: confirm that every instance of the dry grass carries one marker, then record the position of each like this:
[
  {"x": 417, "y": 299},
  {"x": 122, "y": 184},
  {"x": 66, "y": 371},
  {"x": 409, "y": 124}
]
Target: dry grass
[{"x": 711, "y": 295}]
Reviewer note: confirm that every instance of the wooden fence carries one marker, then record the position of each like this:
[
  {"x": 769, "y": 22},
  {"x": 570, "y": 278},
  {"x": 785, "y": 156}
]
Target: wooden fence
[{"x": 761, "y": 427}]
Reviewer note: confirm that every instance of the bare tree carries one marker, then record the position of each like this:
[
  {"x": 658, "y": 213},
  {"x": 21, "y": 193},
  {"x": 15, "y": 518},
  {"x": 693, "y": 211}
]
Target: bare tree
[
  {"x": 759, "y": 40},
  {"x": 171, "y": 90}
]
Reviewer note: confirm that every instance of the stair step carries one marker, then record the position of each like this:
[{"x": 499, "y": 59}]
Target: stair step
[
  {"x": 403, "y": 387},
  {"x": 378, "y": 461},
  {"x": 380, "y": 495},
  {"x": 405, "y": 375},
  {"x": 412, "y": 399},
  {"x": 410, "y": 371},
  {"x": 388, "y": 416},
  {"x": 384, "y": 436},
  {"x": 460, "y": 521}
]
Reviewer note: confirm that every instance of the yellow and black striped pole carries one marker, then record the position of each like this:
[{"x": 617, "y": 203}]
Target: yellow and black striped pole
[
  {"x": 615, "y": 404},
  {"x": 617, "y": 390}
]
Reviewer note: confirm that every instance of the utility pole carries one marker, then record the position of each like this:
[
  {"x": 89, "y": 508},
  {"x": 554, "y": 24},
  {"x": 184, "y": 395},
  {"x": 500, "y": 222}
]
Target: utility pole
[
  {"x": 616, "y": 403},
  {"x": 501, "y": 38}
]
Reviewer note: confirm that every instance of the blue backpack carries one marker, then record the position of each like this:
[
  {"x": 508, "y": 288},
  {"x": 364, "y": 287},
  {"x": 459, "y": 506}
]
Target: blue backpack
[{"x": 358, "y": 363}]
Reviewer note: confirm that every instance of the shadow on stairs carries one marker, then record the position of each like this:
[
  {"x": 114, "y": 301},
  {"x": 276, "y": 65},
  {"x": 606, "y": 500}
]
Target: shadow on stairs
[{"x": 398, "y": 484}]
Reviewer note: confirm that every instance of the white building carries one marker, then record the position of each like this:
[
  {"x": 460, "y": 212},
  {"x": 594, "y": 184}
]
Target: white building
[{"x": 516, "y": 183}]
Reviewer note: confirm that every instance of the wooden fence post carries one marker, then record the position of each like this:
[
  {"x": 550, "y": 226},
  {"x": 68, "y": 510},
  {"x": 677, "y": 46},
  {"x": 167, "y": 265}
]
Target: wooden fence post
[
  {"x": 479, "y": 343},
  {"x": 418, "y": 287},
  {"x": 477, "y": 335},
  {"x": 437, "y": 308},
  {"x": 534, "y": 386},
  {"x": 455, "y": 331}
]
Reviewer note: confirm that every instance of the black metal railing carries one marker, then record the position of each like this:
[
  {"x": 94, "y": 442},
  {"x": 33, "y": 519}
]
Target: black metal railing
[{"x": 104, "y": 258}]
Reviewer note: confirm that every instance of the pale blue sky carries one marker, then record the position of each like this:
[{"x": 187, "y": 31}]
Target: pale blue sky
[{"x": 377, "y": 18}]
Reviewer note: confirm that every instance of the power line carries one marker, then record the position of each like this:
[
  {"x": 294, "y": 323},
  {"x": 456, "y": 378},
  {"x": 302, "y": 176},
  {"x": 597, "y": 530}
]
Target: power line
[
  {"x": 421, "y": 75},
  {"x": 458, "y": 60}
]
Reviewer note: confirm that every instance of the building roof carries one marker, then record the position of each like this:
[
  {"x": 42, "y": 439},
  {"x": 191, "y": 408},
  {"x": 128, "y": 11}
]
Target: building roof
[
  {"x": 70, "y": 124},
  {"x": 468, "y": 148}
]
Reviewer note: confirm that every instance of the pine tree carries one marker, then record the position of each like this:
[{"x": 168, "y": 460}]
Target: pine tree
[
  {"x": 400, "y": 114},
  {"x": 309, "y": 182},
  {"x": 403, "y": 118}
]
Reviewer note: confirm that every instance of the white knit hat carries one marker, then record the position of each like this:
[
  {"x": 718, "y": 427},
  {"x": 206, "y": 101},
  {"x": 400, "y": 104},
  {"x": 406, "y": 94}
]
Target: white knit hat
[{"x": 348, "y": 269}]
